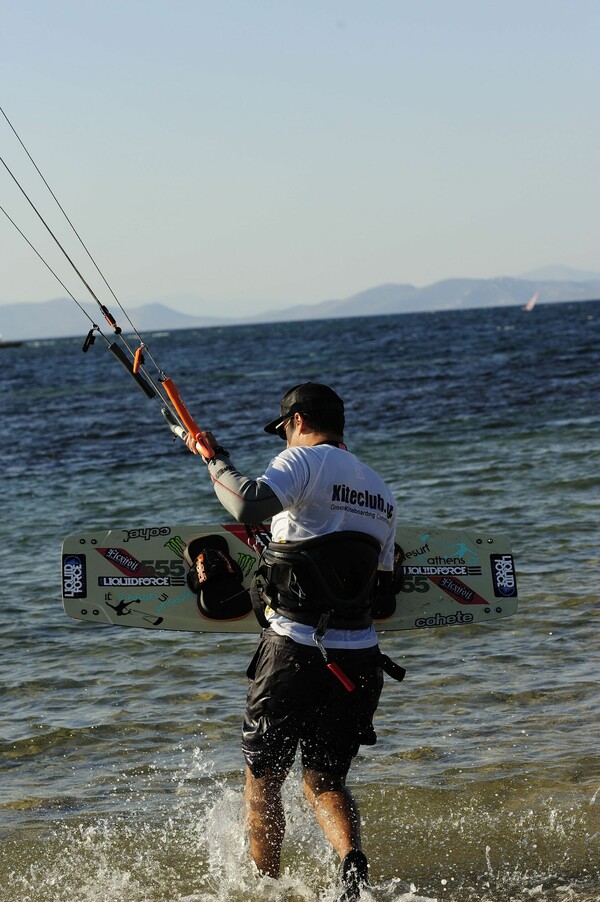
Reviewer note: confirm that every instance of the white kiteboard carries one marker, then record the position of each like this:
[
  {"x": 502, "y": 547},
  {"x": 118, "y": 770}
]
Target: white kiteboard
[{"x": 139, "y": 577}]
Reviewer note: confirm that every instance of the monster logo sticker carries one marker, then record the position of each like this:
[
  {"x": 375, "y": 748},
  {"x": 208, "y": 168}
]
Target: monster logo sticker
[
  {"x": 176, "y": 545},
  {"x": 246, "y": 562}
]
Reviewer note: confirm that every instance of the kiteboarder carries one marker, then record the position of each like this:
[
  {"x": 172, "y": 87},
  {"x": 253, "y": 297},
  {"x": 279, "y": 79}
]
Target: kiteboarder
[{"x": 316, "y": 676}]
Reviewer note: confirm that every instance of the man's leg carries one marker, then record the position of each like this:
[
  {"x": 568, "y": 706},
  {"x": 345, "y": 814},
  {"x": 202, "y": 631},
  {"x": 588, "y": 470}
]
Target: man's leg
[
  {"x": 266, "y": 820},
  {"x": 335, "y": 809},
  {"x": 337, "y": 814}
]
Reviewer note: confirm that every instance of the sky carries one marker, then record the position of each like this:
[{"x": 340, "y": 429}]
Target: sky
[{"x": 233, "y": 156}]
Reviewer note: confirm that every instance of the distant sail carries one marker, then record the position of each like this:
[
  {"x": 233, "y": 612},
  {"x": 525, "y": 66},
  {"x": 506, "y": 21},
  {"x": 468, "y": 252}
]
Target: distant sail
[{"x": 531, "y": 302}]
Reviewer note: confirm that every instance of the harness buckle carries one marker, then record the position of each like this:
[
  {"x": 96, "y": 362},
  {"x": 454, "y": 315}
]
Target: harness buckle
[
  {"x": 319, "y": 633},
  {"x": 296, "y": 587}
]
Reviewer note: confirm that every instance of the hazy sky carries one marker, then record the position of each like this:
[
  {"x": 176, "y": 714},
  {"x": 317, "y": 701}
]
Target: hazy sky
[{"x": 237, "y": 154}]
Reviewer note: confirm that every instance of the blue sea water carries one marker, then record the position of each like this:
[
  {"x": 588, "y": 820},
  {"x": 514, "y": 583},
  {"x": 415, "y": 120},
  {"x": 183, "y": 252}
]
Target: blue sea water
[{"x": 119, "y": 749}]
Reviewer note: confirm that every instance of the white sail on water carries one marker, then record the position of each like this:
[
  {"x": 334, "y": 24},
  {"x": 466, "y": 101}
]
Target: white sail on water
[{"x": 531, "y": 302}]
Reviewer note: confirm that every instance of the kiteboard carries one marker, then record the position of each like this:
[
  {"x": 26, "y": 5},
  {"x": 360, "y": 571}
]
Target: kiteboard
[{"x": 143, "y": 577}]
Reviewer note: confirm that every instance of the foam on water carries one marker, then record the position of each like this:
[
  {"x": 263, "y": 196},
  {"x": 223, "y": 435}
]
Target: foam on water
[{"x": 189, "y": 846}]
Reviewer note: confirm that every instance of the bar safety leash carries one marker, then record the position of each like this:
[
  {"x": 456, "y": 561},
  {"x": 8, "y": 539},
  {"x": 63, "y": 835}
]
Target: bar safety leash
[
  {"x": 336, "y": 670},
  {"x": 393, "y": 670}
]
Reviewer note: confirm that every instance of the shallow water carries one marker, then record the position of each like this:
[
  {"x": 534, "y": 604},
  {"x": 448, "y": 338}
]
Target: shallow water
[{"x": 119, "y": 749}]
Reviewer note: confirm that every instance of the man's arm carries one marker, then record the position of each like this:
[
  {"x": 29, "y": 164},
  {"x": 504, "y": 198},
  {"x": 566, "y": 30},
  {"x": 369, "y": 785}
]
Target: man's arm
[{"x": 248, "y": 500}]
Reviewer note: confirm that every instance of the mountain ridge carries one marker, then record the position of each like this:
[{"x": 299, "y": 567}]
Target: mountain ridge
[{"x": 60, "y": 318}]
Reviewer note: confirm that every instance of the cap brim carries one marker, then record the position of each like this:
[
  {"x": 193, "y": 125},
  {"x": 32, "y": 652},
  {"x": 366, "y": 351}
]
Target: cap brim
[{"x": 271, "y": 427}]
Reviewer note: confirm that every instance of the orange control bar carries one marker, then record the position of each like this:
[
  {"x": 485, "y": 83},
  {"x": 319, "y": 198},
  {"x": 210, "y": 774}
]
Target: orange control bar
[{"x": 186, "y": 418}]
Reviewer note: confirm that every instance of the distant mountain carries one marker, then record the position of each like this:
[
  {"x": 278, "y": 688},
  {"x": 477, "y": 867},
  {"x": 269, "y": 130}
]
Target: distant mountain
[
  {"x": 61, "y": 317},
  {"x": 160, "y": 316},
  {"x": 450, "y": 294},
  {"x": 560, "y": 273}
]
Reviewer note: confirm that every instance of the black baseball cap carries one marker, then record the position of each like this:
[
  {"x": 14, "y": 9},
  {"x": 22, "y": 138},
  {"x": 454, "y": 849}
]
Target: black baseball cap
[{"x": 306, "y": 398}]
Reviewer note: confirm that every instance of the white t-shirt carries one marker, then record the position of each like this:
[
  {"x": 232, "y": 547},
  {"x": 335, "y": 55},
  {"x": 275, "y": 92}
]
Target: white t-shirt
[{"x": 325, "y": 489}]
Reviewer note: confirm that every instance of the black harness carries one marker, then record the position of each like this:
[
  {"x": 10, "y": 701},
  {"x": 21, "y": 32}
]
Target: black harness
[{"x": 335, "y": 574}]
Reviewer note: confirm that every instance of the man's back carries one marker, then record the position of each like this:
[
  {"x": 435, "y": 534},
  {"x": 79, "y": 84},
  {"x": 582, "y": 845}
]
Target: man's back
[{"x": 325, "y": 489}]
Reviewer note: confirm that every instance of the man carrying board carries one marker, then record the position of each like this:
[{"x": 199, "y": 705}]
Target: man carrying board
[{"x": 316, "y": 677}]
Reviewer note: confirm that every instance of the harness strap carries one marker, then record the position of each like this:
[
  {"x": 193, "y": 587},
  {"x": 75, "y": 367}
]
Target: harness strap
[
  {"x": 336, "y": 573},
  {"x": 393, "y": 670}
]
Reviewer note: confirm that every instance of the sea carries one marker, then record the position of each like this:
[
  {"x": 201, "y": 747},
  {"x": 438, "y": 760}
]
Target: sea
[{"x": 120, "y": 768}]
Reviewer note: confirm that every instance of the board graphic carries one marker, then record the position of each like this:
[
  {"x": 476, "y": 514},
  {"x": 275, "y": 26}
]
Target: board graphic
[{"x": 139, "y": 577}]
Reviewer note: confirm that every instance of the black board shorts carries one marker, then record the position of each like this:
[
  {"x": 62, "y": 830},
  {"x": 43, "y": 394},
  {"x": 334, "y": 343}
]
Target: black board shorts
[{"x": 294, "y": 699}]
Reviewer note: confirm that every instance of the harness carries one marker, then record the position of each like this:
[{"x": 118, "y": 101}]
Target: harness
[{"x": 333, "y": 575}]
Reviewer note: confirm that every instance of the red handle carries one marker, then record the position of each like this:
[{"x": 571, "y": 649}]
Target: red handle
[{"x": 339, "y": 673}]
